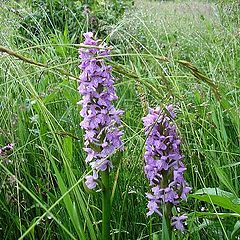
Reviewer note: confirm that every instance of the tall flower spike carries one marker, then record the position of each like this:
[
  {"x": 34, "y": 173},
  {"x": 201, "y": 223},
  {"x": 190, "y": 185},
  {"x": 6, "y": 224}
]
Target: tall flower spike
[
  {"x": 101, "y": 120},
  {"x": 163, "y": 164}
]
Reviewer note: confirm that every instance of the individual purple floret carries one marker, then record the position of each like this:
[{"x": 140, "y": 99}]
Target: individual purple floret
[
  {"x": 163, "y": 164},
  {"x": 101, "y": 120},
  {"x": 5, "y": 149},
  {"x": 177, "y": 222}
]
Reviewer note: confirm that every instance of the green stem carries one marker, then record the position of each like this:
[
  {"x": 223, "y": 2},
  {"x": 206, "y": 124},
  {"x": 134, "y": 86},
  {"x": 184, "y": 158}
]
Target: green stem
[
  {"x": 167, "y": 211},
  {"x": 167, "y": 215},
  {"x": 106, "y": 205}
]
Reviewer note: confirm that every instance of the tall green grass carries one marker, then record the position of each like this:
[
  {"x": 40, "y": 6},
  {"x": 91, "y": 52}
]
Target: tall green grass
[{"x": 39, "y": 113}]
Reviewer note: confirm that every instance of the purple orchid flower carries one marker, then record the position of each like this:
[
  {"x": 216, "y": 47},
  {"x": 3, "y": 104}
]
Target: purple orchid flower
[
  {"x": 101, "y": 120},
  {"x": 177, "y": 222},
  {"x": 163, "y": 163}
]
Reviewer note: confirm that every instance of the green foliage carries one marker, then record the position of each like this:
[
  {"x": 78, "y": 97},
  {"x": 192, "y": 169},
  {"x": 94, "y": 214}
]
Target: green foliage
[
  {"x": 219, "y": 197},
  {"x": 229, "y": 12},
  {"x": 72, "y": 16}
]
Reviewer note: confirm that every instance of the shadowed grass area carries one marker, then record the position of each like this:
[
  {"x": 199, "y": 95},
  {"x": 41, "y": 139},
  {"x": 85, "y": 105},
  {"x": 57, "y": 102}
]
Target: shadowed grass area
[{"x": 185, "y": 53}]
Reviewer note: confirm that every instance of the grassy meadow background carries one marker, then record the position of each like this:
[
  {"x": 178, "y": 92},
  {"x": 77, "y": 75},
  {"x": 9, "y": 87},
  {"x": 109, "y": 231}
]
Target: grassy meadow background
[{"x": 180, "y": 52}]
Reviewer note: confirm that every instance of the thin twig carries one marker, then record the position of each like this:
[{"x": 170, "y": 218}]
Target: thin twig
[
  {"x": 12, "y": 53},
  {"x": 30, "y": 61}
]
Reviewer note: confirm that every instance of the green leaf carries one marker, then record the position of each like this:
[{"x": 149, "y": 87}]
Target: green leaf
[
  {"x": 198, "y": 227},
  {"x": 225, "y": 180},
  {"x": 32, "y": 232},
  {"x": 212, "y": 215},
  {"x": 236, "y": 230},
  {"x": 69, "y": 92},
  {"x": 218, "y": 197},
  {"x": 155, "y": 236},
  {"x": 69, "y": 204},
  {"x": 67, "y": 148},
  {"x": 50, "y": 97}
]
